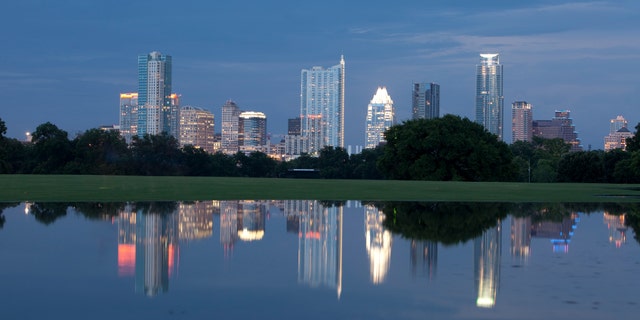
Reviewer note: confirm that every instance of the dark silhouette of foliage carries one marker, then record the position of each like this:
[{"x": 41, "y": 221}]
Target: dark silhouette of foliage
[
  {"x": 101, "y": 152},
  {"x": 52, "y": 149},
  {"x": 3, "y": 206},
  {"x": 156, "y": 155},
  {"x": 99, "y": 210},
  {"x": 633, "y": 143},
  {"x": 48, "y": 212},
  {"x": 364, "y": 164},
  {"x": 445, "y": 222},
  {"x": 443, "y": 149},
  {"x": 333, "y": 163}
]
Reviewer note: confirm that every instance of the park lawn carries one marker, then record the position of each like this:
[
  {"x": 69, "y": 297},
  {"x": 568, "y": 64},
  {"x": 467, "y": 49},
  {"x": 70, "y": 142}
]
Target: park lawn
[{"x": 15, "y": 188}]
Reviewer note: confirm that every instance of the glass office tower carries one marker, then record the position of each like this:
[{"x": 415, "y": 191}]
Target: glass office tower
[
  {"x": 322, "y": 106},
  {"x": 489, "y": 96}
]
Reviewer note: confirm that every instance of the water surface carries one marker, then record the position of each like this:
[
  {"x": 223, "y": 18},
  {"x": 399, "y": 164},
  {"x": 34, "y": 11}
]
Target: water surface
[{"x": 318, "y": 260}]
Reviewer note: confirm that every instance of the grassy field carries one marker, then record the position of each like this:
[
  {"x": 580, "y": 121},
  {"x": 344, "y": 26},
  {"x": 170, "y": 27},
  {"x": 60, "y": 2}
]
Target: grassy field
[{"x": 128, "y": 188}]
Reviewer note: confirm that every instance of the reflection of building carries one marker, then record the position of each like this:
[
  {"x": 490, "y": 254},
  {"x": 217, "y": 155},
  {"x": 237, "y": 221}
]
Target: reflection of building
[
  {"x": 322, "y": 106},
  {"x": 617, "y": 228},
  {"x": 126, "y": 243},
  {"x": 251, "y": 220},
  {"x": 148, "y": 243},
  {"x": 378, "y": 244},
  {"x": 228, "y": 225},
  {"x": 521, "y": 238},
  {"x": 489, "y": 96},
  {"x": 487, "y": 265},
  {"x": 320, "y": 245},
  {"x": 424, "y": 257},
  {"x": 380, "y": 117},
  {"x": 195, "y": 220},
  {"x": 559, "y": 233}
]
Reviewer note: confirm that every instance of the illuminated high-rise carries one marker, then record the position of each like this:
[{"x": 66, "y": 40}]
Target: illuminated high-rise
[
  {"x": 380, "y": 116},
  {"x": 322, "y": 106},
  {"x": 196, "y": 128},
  {"x": 128, "y": 115},
  {"x": 155, "y": 109},
  {"x": 489, "y": 96},
  {"x": 521, "y": 121},
  {"x": 229, "y": 132},
  {"x": 252, "y": 131},
  {"x": 425, "y": 100}
]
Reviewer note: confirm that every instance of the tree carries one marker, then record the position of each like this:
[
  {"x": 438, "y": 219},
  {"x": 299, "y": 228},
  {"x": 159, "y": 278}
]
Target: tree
[
  {"x": 633, "y": 143},
  {"x": 52, "y": 149},
  {"x": 447, "y": 148},
  {"x": 333, "y": 163},
  {"x": 156, "y": 155},
  {"x": 582, "y": 166},
  {"x": 3, "y": 129},
  {"x": 101, "y": 152},
  {"x": 364, "y": 164}
]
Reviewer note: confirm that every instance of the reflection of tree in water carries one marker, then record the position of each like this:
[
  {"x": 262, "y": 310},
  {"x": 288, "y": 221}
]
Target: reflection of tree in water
[
  {"x": 48, "y": 212},
  {"x": 444, "y": 222},
  {"x": 156, "y": 207},
  {"x": 5, "y": 206},
  {"x": 99, "y": 210},
  {"x": 332, "y": 203}
]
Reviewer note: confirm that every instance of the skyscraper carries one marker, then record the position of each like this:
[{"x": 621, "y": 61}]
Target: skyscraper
[
  {"x": 196, "y": 128},
  {"x": 489, "y": 96},
  {"x": 128, "y": 115},
  {"x": 618, "y": 134},
  {"x": 229, "y": 132},
  {"x": 561, "y": 126},
  {"x": 380, "y": 116},
  {"x": 322, "y": 106},
  {"x": 252, "y": 131},
  {"x": 154, "y": 94},
  {"x": 521, "y": 121},
  {"x": 425, "y": 100}
]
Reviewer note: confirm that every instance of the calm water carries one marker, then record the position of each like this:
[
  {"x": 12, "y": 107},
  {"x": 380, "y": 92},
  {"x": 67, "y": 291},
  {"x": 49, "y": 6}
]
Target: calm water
[{"x": 317, "y": 260}]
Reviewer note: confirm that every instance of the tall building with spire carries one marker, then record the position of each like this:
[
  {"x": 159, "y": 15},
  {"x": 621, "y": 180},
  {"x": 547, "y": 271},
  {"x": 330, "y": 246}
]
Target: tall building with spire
[
  {"x": 489, "y": 96},
  {"x": 521, "y": 121},
  {"x": 154, "y": 95},
  {"x": 322, "y": 106},
  {"x": 380, "y": 116},
  {"x": 425, "y": 101}
]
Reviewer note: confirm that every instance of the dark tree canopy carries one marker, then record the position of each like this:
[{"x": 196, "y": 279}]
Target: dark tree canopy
[
  {"x": 633, "y": 143},
  {"x": 447, "y": 148}
]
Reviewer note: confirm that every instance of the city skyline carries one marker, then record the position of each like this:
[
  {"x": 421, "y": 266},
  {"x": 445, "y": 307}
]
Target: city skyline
[{"x": 547, "y": 48}]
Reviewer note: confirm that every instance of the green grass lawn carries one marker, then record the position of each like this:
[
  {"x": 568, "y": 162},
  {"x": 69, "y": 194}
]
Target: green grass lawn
[{"x": 133, "y": 188}]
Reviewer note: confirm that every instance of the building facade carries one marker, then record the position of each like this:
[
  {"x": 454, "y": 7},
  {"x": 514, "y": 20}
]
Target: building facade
[
  {"x": 425, "y": 101},
  {"x": 618, "y": 134},
  {"x": 489, "y": 95},
  {"x": 521, "y": 121},
  {"x": 229, "y": 132},
  {"x": 322, "y": 106},
  {"x": 561, "y": 126},
  {"x": 197, "y": 128},
  {"x": 252, "y": 131},
  {"x": 129, "y": 115},
  {"x": 154, "y": 94},
  {"x": 380, "y": 116}
]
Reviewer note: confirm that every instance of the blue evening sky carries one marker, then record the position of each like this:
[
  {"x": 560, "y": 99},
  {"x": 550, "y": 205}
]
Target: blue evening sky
[{"x": 67, "y": 61}]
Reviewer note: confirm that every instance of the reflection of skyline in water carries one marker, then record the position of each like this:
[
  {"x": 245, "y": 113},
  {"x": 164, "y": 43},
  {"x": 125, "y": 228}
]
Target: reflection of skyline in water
[
  {"x": 378, "y": 242},
  {"x": 148, "y": 243},
  {"x": 487, "y": 258},
  {"x": 559, "y": 233},
  {"x": 617, "y": 228},
  {"x": 320, "y": 244}
]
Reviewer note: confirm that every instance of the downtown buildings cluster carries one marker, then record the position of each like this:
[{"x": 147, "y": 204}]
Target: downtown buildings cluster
[{"x": 155, "y": 109}]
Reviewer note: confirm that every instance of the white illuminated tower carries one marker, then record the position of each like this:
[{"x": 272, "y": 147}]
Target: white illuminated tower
[
  {"x": 489, "y": 96},
  {"x": 322, "y": 106},
  {"x": 380, "y": 116}
]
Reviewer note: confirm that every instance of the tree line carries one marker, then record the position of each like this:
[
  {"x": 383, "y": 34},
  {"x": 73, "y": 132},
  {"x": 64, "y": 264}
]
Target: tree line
[{"x": 449, "y": 148}]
